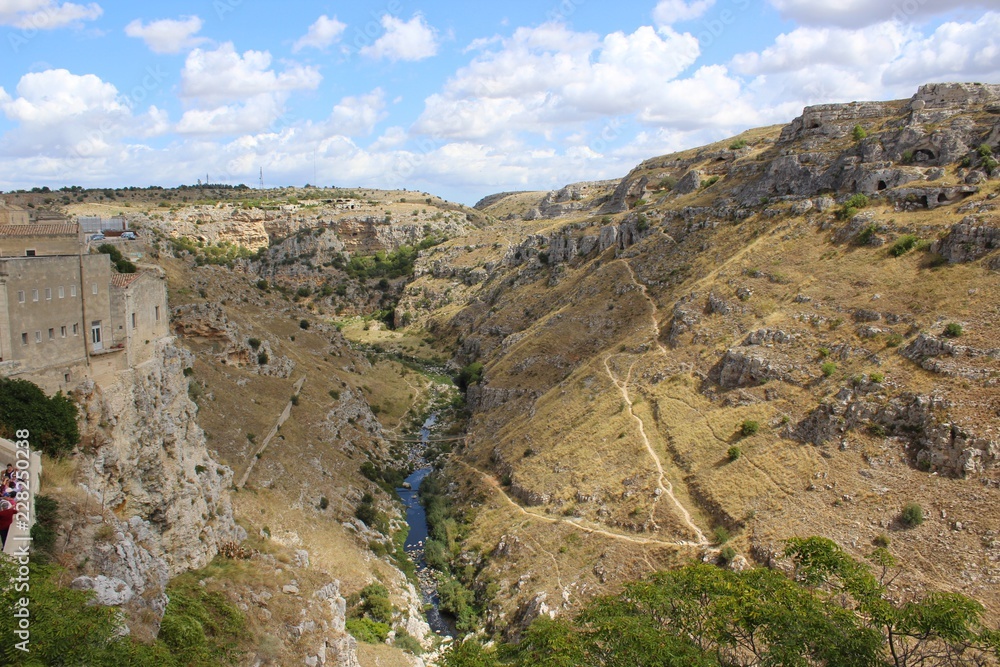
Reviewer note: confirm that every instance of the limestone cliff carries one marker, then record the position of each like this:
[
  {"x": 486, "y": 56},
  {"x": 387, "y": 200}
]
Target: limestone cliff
[{"x": 147, "y": 470}]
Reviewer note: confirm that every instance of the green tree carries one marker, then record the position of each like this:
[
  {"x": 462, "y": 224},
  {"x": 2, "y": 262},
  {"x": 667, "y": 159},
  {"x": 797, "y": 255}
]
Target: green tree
[{"x": 51, "y": 422}]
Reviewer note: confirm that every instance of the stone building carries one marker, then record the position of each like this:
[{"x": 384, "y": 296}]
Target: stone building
[
  {"x": 12, "y": 215},
  {"x": 65, "y": 315}
]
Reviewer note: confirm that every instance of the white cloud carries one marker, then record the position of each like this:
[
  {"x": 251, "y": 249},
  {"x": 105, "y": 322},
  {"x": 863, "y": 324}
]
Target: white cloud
[
  {"x": 357, "y": 116},
  {"x": 859, "y": 13},
  {"x": 223, "y": 75},
  {"x": 46, "y": 14},
  {"x": 542, "y": 78},
  {"x": 403, "y": 40},
  {"x": 324, "y": 32},
  {"x": 955, "y": 51},
  {"x": 669, "y": 12},
  {"x": 167, "y": 35},
  {"x": 255, "y": 114}
]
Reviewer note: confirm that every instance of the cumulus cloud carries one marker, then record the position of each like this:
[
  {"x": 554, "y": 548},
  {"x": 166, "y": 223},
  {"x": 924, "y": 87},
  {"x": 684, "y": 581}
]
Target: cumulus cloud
[
  {"x": 321, "y": 34},
  {"x": 669, "y": 12},
  {"x": 544, "y": 77},
  {"x": 167, "y": 35},
  {"x": 955, "y": 51},
  {"x": 403, "y": 40},
  {"x": 859, "y": 13},
  {"x": 61, "y": 114},
  {"x": 357, "y": 116},
  {"x": 223, "y": 75},
  {"x": 46, "y": 14}
]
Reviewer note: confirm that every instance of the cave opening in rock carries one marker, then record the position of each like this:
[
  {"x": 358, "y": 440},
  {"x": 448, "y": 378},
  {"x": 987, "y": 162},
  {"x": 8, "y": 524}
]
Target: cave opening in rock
[
  {"x": 923, "y": 155},
  {"x": 942, "y": 198},
  {"x": 882, "y": 185}
]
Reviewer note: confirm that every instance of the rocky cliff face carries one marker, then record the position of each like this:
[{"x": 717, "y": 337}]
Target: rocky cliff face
[{"x": 146, "y": 467}]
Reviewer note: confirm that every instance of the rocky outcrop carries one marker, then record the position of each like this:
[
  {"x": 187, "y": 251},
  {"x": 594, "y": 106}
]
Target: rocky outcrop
[
  {"x": 753, "y": 365},
  {"x": 937, "y": 443},
  {"x": 832, "y": 120},
  {"x": 162, "y": 503},
  {"x": 208, "y": 322},
  {"x": 148, "y": 461},
  {"x": 969, "y": 240},
  {"x": 949, "y": 358}
]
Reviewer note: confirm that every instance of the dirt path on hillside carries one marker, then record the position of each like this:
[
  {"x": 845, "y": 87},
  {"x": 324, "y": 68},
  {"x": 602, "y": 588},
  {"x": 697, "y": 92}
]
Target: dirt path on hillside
[
  {"x": 285, "y": 414},
  {"x": 573, "y": 523}
]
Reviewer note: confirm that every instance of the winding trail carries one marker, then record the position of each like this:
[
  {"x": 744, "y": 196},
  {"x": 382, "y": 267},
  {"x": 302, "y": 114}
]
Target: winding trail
[
  {"x": 576, "y": 524},
  {"x": 664, "y": 485},
  {"x": 273, "y": 432}
]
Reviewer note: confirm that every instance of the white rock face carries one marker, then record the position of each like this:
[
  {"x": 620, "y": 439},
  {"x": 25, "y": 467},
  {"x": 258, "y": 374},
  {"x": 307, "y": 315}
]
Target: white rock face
[
  {"x": 108, "y": 591},
  {"x": 145, "y": 462}
]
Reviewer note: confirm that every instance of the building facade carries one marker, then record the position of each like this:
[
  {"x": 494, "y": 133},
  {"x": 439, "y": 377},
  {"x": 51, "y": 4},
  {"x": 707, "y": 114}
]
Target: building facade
[{"x": 65, "y": 315}]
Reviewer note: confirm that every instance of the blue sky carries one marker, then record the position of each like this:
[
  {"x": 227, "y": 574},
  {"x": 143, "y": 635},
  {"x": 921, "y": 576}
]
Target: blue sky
[{"x": 456, "y": 99}]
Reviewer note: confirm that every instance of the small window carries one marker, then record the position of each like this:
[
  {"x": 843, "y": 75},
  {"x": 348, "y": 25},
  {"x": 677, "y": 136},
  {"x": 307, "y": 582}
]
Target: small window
[
  {"x": 62, "y": 292},
  {"x": 67, "y": 377},
  {"x": 156, "y": 311},
  {"x": 134, "y": 321},
  {"x": 52, "y": 334},
  {"x": 48, "y": 294},
  {"x": 94, "y": 288},
  {"x": 34, "y": 295},
  {"x": 72, "y": 290},
  {"x": 62, "y": 332},
  {"x": 38, "y": 336},
  {"x": 24, "y": 338},
  {"x": 20, "y": 296},
  {"x": 29, "y": 253},
  {"x": 76, "y": 329}
]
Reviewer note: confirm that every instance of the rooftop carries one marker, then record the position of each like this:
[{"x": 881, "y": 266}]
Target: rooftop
[
  {"x": 38, "y": 230},
  {"x": 124, "y": 279}
]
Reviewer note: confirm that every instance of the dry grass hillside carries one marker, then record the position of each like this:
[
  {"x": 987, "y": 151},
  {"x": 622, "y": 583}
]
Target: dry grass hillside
[{"x": 730, "y": 350}]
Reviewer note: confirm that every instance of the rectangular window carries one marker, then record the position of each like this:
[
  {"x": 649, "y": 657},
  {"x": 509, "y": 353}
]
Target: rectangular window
[
  {"x": 20, "y": 296},
  {"x": 24, "y": 338},
  {"x": 76, "y": 329},
  {"x": 38, "y": 336},
  {"x": 134, "y": 321},
  {"x": 62, "y": 292},
  {"x": 62, "y": 332},
  {"x": 34, "y": 295},
  {"x": 94, "y": 288},
  {"x": 156, "y": 312},
  {"x": 72, "y": 290},
  {"x": 48, "y": 294},
  {"x": 29, "y": 253},
  {"x": 52, "y": 334}
]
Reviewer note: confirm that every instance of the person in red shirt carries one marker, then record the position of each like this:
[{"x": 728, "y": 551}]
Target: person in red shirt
[{"x": 7, "y": 512}]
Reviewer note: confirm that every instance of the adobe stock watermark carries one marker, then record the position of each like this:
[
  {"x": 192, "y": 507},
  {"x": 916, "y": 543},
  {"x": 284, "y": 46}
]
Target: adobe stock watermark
[{"x": 21, "y": 580}]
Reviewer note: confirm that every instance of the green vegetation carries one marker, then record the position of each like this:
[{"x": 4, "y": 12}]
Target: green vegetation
[
  {"x": 220, "y": 254},
  {"x": 905, "y": 244},
  {"x": 859, "y": 133},
  {"x": 953, "y": 330},
  {"x": 833, "y": 610},
  {"x": 51, "y": 422},
  {"x": 469, "y": 375},
  {"x": 709, "y": 182},
  {"x": 828, "y": 369},
  {"x": 738, "y": 144},
  {"x": 876, "y": 377},
  {"x": 749, "y": 427},
  {"x": 371, "y": 515},
  {"x": 851, "y": 207},
  {"x": 44, "y": 531},
  {"x": 121, "y": 264},
  {"x": 734, "y": 453},
  {"x": 912, "y": 515},
  {"x": 396, "y": 264},
  {"x": 200, "y": 626},
  {"x": 303, "y": 324}
]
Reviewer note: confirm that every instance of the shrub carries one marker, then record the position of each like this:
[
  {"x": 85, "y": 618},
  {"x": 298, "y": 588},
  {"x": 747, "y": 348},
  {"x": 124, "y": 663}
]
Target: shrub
[
  {"x": 404, "y": 641},
  {"x": 738, "y": 144},
  {"x": 262, "y": 358},
  {"x": 295, "y": 399},
  {"x": 749, "y": 427},
  {"x": 254, "y": 343},
  {"x": 852, "y": 206},
  {"x": 367, "y": 631},
  {"x": 903, "y": 245},
  {"x": 51, "y": 422},
  {"x": 908, "y": 157},
  {"x": 877, "y": 378},
  {"x": 953, "y": 330},
  {"x": 303, "y": 324},
  {"x": 727, "y": 555},
  {"x": 262, "y": 284},
  {"x": 881, "y": 541},
  {"x": 324, "y": 502},
  {"x": 642, "y": 223},
  {"x": 303, "y": 291},
  {"x": 721, "y": 534},
  {"x": 893, "y": 340},
  {"x": 828, "y": 369},
  {"x": 710, "y": 182},
  {"x": 734, "y": 453},
  {"x": 912, "y": 515},
  {"x": 469, "y": 375},
  {"x": 859, "y": 133},
  {"x": 824, "y": 352}
]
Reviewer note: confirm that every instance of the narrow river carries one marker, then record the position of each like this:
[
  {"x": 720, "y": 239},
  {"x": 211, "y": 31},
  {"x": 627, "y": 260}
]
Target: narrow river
[{"x": 417, "y": 520}]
